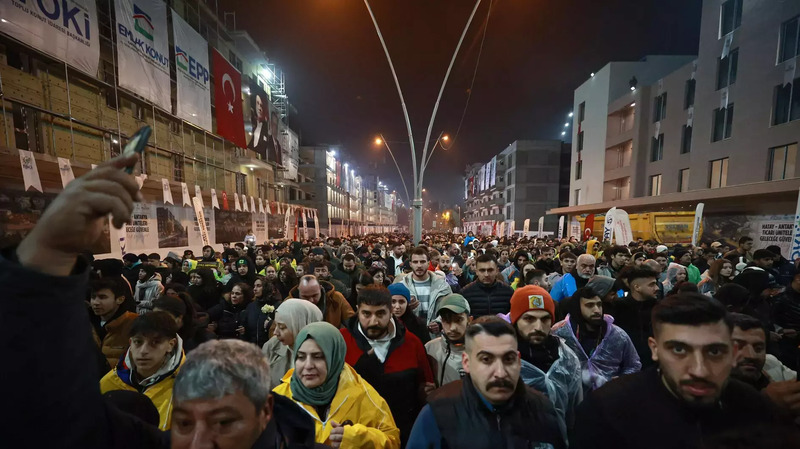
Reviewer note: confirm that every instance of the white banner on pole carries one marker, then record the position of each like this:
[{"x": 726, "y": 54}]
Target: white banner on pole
[
  {"x": 191, "y": 67},
  {"x": 305, "y": 225},
  {"x": 623, "y": 232},
  {"x": 167, "y": 190},
  {"x": 252, "y": 205},
  {"x": 526, "y": 227},
  {"x": 698, "y": 220},
  {"x": 198, "y": 193},
  {"x": 65, "y": 169},
  {"x": 187, "y": 200},
  {"x": 201, "y": 220},
  {"x": 561, "y": 227},
  {"x": 575, "y": 228},
  {"x": 66, "y": 29},
  {"x": 316, "y": 224},
  {"x": 540, "y": 232},
  {"x": 260, "y": 206},
  {"x": 214, "y": 201},
  {"x": 143, "y": 49},
  {"x": 608, "y": 225},
  {"x": 30, "y": 173},
  {"x": 795, "y": 252},
  {"x": 511, "y": 226},
  {"x": 236, "y": 205},
  {"x": 140, "y": 180},
  {"x": 501, "y": 229},
  {"x": 244, "y": 203}
]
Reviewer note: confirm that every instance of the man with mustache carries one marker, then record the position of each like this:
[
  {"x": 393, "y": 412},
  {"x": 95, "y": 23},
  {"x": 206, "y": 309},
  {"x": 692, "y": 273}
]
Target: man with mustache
[
  {"x": 605, "y": 350},
  {"x": 761, "y": 370},
  {"x": 548, "y": 364},
  {"x": 689, "y": 400},
  {"x": 490, "y": 406},
  {"x": 388, "y": 357}
]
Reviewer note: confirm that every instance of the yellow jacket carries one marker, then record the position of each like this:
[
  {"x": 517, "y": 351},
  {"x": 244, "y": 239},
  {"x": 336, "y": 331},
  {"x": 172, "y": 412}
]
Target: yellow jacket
[
  {"x": 160, "y": 393},
  {"x": 356, "y": 400}
]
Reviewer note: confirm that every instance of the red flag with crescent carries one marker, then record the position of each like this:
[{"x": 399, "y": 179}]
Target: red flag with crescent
[
  {"x": 224, "y": 200},
  {"x": 228, "y": 100},
  {"x": 588, "y": 227}
]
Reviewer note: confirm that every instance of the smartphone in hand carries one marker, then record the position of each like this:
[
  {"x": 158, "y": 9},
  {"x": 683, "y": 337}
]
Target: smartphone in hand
[{"x": 136, "y": 144}]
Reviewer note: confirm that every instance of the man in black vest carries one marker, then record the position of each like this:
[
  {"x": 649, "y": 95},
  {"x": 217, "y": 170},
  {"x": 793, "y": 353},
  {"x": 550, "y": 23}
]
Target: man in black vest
[{"x": 490, "y": 406}]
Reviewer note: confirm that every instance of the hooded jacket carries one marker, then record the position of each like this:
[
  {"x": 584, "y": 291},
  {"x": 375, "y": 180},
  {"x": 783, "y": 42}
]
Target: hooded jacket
[
  {"x": 564, "y": 288},
  {"x": 439, "y": 289},
  {"x": 147, "y": 292},
  {"x": 562, "y": 384},
  {"x": 634, "y": 317},
  {"x": 445, "y": 358},
  {"x": 614, "y": 356},
  {"x": 113, "y": 337},
  {"x": 346, "y": 278},
  {"x": 488, "y": 299},
  {"x": 400, "y": 378},
  {"x": 355, "y": 400},
  {"x": 335, "y": 309},
  {"x": 157, "y": 387}
]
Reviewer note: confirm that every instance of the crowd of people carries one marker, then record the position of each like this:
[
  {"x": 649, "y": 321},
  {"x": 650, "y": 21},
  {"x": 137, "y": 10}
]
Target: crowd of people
[{"x": 376, "y": 341}]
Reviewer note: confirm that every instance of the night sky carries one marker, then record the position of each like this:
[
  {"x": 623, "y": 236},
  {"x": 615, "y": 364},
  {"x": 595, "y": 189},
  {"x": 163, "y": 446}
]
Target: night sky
[{"x": 535, "y": 54}]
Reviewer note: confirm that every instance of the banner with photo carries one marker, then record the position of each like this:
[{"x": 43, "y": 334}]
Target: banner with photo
[
  {"x": 173, "y": 223},
  {"x": 766, "y": 230},
  {"x": 263, "y": 125},
  {"x": 21, "y": 210},
  {"x": 291, "y": 153},
  {"x": 142, "y": 232},
  {"x": 193, "y": 98},
  {"x": 231, "y": 226},
  {"x": 260, "y": 227},
  {"x": 275, "y": 223},
  {"x": 66, "y": 30},
  {"x": 143, "y": 49}
]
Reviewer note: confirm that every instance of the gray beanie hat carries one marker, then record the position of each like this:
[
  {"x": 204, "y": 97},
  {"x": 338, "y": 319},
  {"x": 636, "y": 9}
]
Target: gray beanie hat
[{"x": 600, "y": 285}]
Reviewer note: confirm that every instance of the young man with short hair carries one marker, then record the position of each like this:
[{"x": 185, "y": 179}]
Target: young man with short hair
[
  {"x": 151, "y": 363},
  {"x": 617, "y": 257},
  {"x": 445, "y": 352},
  {"x": 426, "y": 287},
  {"x": 742, "y": 253},
  {"x": 632, "y": 313},
  {"x": 486, "y": 295},
  {"x": 388, "y": 357},
  {"x": 689, "y": 400},
  {"x": 110, "y": 321}
]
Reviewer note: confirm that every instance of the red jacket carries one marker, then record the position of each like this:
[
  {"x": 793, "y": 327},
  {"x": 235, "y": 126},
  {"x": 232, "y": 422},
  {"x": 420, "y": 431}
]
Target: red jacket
[{"x": 400, "y": 379}]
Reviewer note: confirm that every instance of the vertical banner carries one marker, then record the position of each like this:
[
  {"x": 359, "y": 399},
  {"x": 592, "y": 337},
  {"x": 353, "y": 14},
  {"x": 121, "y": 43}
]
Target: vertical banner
[
  {"x": 261, "y": 130},
  {"x": 214, "y": 201},
  {"x": 201, "y": 221},
  {"x": 286, "y": 223},
  {"x": 622, "y": 228},
  {"x": 228, "y": 100},
  {"x": 575, "y": 228},
  {"x": 698, "y": 219},
  {"x": 244, "y": 203},
  {"x": 526, "y": 227},
  {"x": 261, "y": 206},
  {"x": 143, "y": 49},
  {"x": 65, "y": 169},
  {"x": 608, "y": 225},
  {"x": 30, "y": 173},
  {"x": 236, "y": 205},
  {"x": 224, "y": 200},
  {"x": 291, "y": 154},
  {"x": 253, "y": 205},
  {"x": 588, "y": 227},
  {"x": 511, "y": 230},
  {"x": 560, "y": 227},
  {"x": 540, "y": 234},
  {"x": 167, "y": 191},
  {"x": 66, "y": 29},
  {"x": 305, "y": 224},
  {"x": 330, "y": 226},
  {"x": 501, "y": 229},
  {"x": 187, "y": 201},
  {"x": 193, "y": 94},
  {"x": 316, "y": 224},
  {"x": 198, "y": 193}
]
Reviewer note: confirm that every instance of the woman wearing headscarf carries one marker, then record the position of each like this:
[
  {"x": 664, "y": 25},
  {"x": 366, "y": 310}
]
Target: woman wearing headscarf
[
  {"x": 203, "y": 288},
  {"x": 401, "y": 296},
  {"x": 290, "y": 316},
  {"x": 676, "y": 273},
  {"x": 245, "y": 272},
  {"x": 260, "y": 314},
  {"x": 347, "y": 411}
]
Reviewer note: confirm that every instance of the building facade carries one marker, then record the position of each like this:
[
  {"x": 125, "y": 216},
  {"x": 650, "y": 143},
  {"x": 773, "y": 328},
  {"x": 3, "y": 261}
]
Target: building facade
[
  {"x": 720, "y": 128},
  {"x": 521, "y": 182}
]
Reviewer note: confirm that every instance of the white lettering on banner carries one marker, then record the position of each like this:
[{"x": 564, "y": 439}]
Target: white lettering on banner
[
  {"x": 64, "y": 29},
  {"x": 201, "y": 220},
  {"x": 65, "y": 169},
  {"x": 795, "y": 253},
  {"x": 608, "y": 225},
  {"x": 193, "y": 92},
  {"x": 561, "y": 227}
]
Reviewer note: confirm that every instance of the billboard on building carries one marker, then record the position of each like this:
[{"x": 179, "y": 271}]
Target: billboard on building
[
  {"x": 493, "y": 172},
  {"x": 487, "y": 174},
  {"x": 143, "y": 49},
  {"x": 291, "y": 152},
  {"x": 263, "y": 125},
  {"x": 66, "y": 30},
  {"x": 481, "y": 179},
  {"x": 193, "y": 79}
]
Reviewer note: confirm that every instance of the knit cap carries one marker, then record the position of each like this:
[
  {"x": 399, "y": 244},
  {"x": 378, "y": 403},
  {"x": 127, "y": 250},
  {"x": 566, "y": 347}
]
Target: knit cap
[
  {"x": 601, "y": 285},
  {"x": 400, "y": 289},
  {"x": 531, "y": 297}
]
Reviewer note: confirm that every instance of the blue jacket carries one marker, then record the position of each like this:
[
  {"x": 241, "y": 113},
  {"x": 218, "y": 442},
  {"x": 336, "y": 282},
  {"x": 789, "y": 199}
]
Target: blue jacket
[{"x": 564, "y": 288}]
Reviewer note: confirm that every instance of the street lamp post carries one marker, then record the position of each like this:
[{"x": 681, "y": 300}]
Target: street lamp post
[{"x": 419, "y": 173}]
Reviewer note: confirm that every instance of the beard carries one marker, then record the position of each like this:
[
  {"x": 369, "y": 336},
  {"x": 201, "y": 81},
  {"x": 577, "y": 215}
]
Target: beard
[
  {"x": 584, "y": 276},
  {"x": 375, "y": 332}
]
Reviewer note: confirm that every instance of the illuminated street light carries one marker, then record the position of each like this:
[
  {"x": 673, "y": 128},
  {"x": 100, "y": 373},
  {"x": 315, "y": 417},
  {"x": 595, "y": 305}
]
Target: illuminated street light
[
  {"x": 566, "y": 124},
  {"x": 563, "y": 133},
  {"x": 570, "y": 114},
  {"x": 445, "y": 137},
  {"x": 378, "y": 141}
]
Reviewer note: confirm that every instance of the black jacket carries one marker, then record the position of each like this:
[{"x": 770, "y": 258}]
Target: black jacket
[
  {"x": 638, "y": 411},
  {"x": 67, "y": 411},
  {"x": 255, "y": 331},
  {"x": 465, "y": 420},
  {"x": 634, "y": 317},
  {"x": 487, "y": 299},
  {"x": 228, "y": 317}
]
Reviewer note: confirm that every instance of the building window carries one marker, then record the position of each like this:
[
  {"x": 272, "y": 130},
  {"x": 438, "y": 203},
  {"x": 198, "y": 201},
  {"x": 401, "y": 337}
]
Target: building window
[
  {"x": 657, "y": 148},
  {"x": 511, "y": 177},
  {"x": 578, "y": 170},
  {"x": 730, "y": 16},
  {"x": 581, "y": 111},
  {"x": 660, "y": 107},
  {"x": 686, "y": 139},
  {"x": 719, "y": 173},
  {"x": 655, "y": 185},
  {"x": 787, "y": 103},
  {"x": 688, "y": 97},
  {"x": 577, "y": 197},
  {"x": 727, "y": 68},
  {"x": 508, "y": 211},
  {"x": 683, "y": 180},
  {"x": 782, "y": 162},
  {"x": 723, "y": 122},
  {"x": 789, "y": 46},
  {"x": 580, "y": 141},
  {"x": 241, "y": 184},
  {"x": 177, "y": 167}
]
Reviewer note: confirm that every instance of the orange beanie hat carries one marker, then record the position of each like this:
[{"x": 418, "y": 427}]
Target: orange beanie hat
[{"x": 531, "y": 297}]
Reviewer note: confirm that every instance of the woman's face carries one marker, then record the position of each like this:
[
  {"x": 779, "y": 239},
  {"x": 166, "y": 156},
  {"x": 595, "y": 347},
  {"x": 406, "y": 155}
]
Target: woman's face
[
  {"x": 260, "y": 261},
  {"x": 399, "y": 305},
  {"x": 282, "y": 276},
  {"x": 258, "y": 288},
  {"x": 310, "y": 364},
  {"x": 284, "y": 335},
  {"x": 242, "y": 269},
  {"x": 300, "y": 271},
  {"x": 271, "y": 273},
  {"x": 378, "y": 278},
  {"x": 680, "y": 276},
  {"x": 236, "y": 295},
  {"x": 195, "y": 279},
  {"x": 527, "y": 268},
  {"x": 186, "y": 267},
  {"x": 142, "y": 275},
  {"x": 726, "y": 271}
]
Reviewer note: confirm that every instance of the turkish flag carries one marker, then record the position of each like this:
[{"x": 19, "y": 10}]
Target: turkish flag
[
  {"x": 228, "y": 100},
  {"x": 588, "y": 227},
  {"x": 224, "y": 201}
]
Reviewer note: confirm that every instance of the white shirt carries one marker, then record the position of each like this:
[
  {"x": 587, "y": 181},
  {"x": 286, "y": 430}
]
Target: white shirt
[{"x": 381, "y": 345}]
